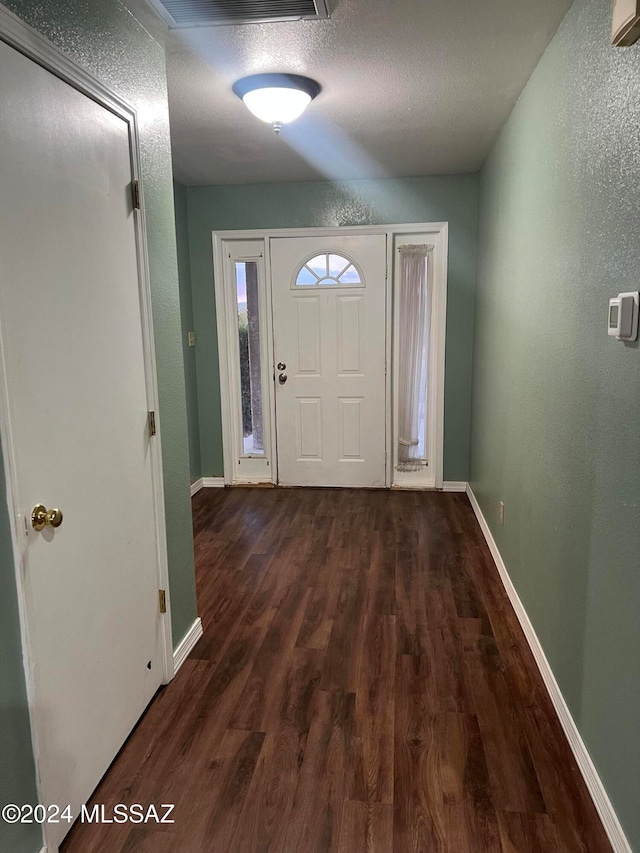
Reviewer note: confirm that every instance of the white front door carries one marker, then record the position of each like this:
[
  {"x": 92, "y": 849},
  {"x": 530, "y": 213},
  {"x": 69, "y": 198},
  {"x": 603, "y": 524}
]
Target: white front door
[
  {"x": 329, "y": 336},
  {"x": 76, "y": 400}
]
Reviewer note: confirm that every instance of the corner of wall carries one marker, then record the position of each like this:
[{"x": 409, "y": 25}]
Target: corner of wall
[{"x": 187, "y": 324}]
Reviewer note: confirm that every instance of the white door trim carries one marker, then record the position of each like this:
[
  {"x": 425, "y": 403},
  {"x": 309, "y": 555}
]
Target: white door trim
[
  {"x": 438, "y": 234},
  {"x": 22, "y": 37},
  {"x": 222, "y": 312},
  {"x": 257, "y": 469},
  {"x": 430, "y": 477}
]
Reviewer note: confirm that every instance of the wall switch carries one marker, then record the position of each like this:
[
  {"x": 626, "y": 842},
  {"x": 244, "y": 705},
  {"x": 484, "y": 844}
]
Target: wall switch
[
  {"x": 623, "y": 316},
  {"x": 501, "y": 512},
  {"x": 191, "y": 337}
]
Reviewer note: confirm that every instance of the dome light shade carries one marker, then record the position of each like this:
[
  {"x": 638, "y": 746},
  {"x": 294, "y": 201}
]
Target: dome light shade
[
  {"x": 276, "y": 98},
  {"x": 277, "y": 105}
]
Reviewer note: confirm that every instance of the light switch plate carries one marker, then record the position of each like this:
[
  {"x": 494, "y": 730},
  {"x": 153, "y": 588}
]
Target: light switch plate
[{"x": 623, "y": 316}]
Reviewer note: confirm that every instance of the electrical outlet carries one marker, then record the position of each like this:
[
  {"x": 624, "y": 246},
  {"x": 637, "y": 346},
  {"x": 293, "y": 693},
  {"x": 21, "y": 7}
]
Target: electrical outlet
[
  {"x": 191, "y": 337},
  {"x": 501, "y": 512}
]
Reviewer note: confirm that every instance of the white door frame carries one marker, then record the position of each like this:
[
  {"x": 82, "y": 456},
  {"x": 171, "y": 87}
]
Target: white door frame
[
  {"x": 437, "y": 234},
  {"x": 26, "y": 40},
  {"x": 256, "y": 469},
  {"x": 431, "y": 476}
]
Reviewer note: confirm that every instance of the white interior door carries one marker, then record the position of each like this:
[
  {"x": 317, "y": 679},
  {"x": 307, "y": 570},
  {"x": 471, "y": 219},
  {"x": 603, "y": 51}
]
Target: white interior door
[
  {"x": 76, "y": 400},
  {"x": 329, "y": 334}
]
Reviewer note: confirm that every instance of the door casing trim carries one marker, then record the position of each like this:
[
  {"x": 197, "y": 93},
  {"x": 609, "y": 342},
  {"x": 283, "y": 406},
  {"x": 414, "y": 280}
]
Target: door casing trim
[
  {"x": 438, "y": 234},
  {"x": 27, "y": 41}
]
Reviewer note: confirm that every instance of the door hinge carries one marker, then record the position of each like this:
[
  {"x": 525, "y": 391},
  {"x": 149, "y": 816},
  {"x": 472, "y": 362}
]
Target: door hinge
[
  {"x": 135, "y": 195},
  {"x": 162, "y": 600},
  {"x": 152, "y": 423}
]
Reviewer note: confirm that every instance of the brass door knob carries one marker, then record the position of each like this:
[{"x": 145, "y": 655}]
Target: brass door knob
[{"x": 42, "y": 517}]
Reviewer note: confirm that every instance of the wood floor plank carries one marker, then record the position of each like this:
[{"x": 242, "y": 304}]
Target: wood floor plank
[
  {"x": 330, "y": 771},
  {"x": 411, "y": 598},
  {"x": 317, "y": 624},
  {"x": 218, "y": 793},
  {"x": 515, "y": 783},
  {"x": 419, "y": 820},
  {"x": 366, "y": 828},
  {"x": 375, "y": 707},
  {"x": 528, "y": 832},
  {"x": 146, "y": 840},
  {"x": 344, "y": 650},
  {"x": 265, "y": 815},
  {"x": 225, "y": 602},
  {"x": 205, "y": 720},
  {"x": 363, "y": 686},
  {"x": 258, "y": 706}
]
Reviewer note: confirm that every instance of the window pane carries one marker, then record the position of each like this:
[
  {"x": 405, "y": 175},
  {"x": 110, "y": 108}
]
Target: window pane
[
  {"x": 318, "y": 265},
  {"x": 337, "y": 265},
  {"x": 414, "y": 312},
  {"x": 250, "y": 367},
  {"x": 350, "y": 276},
  {"x": 329, "y": 270},
  {"x": 305, "y": 277}
]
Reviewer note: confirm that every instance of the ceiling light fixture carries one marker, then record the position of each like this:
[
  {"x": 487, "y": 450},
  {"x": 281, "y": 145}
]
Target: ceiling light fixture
[{"x": 277, "y": 98}]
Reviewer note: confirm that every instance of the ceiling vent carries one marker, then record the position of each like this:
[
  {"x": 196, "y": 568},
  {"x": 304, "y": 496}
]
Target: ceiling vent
[{"x": 208, "y": 13}]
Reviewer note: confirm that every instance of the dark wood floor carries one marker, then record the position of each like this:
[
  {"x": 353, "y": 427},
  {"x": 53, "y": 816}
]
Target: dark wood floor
[{"x": 362, "y": 685}]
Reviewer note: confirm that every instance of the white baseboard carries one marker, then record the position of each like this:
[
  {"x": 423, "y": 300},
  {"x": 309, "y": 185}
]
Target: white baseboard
[
  {"x": 589, "y": 773},
  {"x": 447, "y": 486},
  {"x": 186, "y": 645},
  {"x": 207, "y": 483},
  {"x": 454, "y": 486},
  {"x": 213, "y": 482}
]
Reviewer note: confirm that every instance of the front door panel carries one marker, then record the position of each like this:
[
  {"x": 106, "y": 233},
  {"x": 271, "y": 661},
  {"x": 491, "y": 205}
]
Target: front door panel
[{"x": 329, "y": 330}]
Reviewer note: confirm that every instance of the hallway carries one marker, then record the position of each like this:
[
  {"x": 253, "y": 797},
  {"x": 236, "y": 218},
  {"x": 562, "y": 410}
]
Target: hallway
[{"x": 362, "y": 685}]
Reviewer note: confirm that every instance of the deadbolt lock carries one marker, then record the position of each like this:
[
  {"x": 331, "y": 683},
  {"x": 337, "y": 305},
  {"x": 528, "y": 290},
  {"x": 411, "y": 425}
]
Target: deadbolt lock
[
  {"x": 282, "y": 365},
  {"x": 42, "y": 517}
]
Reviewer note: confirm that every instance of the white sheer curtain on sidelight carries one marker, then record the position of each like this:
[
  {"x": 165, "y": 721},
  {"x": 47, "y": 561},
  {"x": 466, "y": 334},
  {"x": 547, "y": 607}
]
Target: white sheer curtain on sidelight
[{"x": 414, "y": 317}]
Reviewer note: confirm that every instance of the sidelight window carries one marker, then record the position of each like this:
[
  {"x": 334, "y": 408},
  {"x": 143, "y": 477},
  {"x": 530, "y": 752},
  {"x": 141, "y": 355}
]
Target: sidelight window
[
  {"x": 246, "y": 273},
  {"x": 414, "y": 320}
]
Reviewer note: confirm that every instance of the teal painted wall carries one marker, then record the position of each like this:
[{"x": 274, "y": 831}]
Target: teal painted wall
[
  {"x": 323, "y": 204},
  {"x": 105, "y": 37},
  {"x": 556, "y": 403},
  {"x": 186, "y": 311}
]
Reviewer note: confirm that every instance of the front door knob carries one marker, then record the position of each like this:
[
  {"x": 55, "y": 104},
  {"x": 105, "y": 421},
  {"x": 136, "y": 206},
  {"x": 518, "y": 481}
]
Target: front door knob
[
  {"x": 42, "y": 517},
  {"x": 282, "y": 378}
]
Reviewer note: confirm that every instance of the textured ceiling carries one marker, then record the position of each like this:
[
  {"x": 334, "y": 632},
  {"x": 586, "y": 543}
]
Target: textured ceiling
[{"x": 410, "y": 87}]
